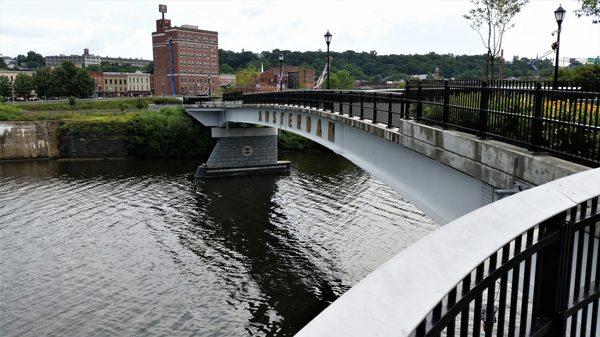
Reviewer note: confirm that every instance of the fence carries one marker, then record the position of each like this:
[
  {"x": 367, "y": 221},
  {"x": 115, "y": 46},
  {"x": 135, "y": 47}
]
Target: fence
[
  {"x": 564, "y": 122},
  {"x": 545, "y": 282}
]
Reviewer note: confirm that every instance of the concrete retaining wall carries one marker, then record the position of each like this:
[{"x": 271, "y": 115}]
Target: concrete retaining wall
[{"x": 28, "y": 140}]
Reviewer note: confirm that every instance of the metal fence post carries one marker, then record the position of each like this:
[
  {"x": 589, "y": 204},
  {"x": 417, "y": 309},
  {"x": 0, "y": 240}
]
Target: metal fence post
[
  {"x": 419, "y": 102},
  {"x": 389, "y": 122},
  {"x": 374, "y": 107},
  {"x": 362, "y": 105},
  {"x": 350, "y": 101},
  {"x": 553, "y": 270},
  {"x": 536, "y": 123},
  {"x": 483, "y": 109},
  {"x": 446, "y": 113},
  {"x": 405, "y": 107}
]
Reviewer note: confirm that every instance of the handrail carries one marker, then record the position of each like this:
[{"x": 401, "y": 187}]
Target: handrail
[
  {"x": 563, "y": 123},
  {"x": 420, "y": 291}
]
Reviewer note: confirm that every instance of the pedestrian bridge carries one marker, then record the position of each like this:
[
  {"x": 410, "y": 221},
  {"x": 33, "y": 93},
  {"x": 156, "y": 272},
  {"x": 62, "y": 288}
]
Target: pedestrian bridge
[{"x": 526, "y": 264}]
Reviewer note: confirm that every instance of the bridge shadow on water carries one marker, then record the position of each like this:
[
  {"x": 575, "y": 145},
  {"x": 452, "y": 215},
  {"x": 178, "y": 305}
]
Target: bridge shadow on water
[{"x": 240, "y": 220}]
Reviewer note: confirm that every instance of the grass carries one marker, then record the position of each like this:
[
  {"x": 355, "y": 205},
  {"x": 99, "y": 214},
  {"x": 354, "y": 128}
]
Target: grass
[{"x": 107, "y": 104}]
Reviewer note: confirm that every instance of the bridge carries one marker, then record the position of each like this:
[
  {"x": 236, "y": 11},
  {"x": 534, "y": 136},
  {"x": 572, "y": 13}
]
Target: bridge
[{"x": 506, "y": 168}]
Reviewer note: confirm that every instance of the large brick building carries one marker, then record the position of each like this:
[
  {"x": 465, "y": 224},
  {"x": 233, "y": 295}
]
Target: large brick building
[{"x": 195, "y": 59}]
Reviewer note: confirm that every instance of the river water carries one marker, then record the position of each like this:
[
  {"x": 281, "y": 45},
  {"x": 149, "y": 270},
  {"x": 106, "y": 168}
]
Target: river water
[{"x": 138, "y": 248}]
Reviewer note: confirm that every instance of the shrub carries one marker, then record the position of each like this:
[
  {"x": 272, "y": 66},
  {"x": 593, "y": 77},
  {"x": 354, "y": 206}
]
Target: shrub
[
  {"x": 141, "y": 103},
  {"x": 169, "y": 132},
  {"x": 72, "y": 101},
  {"x": 10, "y": 112},
  {"x": 123, "y": 106}
]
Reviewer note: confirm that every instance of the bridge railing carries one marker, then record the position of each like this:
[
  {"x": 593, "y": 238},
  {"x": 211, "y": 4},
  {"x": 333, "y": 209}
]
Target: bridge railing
[
  {"x": 526, "y": 265},
  {"x": 563, "y": 122}
]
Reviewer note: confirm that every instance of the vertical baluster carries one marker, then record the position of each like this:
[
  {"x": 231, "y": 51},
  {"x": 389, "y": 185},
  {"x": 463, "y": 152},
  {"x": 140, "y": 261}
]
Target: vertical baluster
[
  {"x": 464, "y": 315},
  {"x": 502, "y": 298},
  {"x": 374, "y": 107},
  {"x": 514, "y": 291},
  {"x": 526, "y": 286},
  {"x": 389, "y": 122},
  {"x": 488, "y": 326},
  {"x": 362, "y": 105},
  {"x": 451, "y": 302},
  {"x": 477, "y": 311}
]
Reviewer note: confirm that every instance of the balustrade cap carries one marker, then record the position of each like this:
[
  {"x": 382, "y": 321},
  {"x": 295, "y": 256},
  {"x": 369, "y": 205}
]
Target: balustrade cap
[{"x": 394, "y": 299}]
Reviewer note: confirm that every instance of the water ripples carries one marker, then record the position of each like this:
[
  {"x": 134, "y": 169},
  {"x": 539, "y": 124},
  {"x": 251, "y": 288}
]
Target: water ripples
[{"x": 138, "y": 248}]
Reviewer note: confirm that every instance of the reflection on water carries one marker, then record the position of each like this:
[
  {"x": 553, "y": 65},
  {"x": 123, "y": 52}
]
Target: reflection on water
[{"x": 138, "y": 248}]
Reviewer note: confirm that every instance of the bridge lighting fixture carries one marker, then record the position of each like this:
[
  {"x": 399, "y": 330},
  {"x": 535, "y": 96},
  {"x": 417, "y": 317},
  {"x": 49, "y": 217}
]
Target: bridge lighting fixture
[
  {"x": 559, "y": 15},
  {"x": 328, "y": 41},
  {"x": 280, "y": 72}
]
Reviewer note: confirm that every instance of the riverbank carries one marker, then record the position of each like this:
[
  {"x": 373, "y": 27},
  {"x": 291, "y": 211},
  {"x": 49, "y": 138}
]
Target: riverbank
[{"x": 98, "y": 130}]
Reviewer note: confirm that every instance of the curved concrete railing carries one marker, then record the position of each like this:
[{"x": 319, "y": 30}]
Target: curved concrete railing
[{"x": 397, "y": 298}]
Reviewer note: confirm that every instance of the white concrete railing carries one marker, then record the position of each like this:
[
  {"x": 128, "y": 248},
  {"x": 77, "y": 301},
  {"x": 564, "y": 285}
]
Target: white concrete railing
[{"x": 394, "y": 299}]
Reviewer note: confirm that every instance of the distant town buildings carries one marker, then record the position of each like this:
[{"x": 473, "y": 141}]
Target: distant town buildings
[
  {"x": 12, "y": 74},
  {"x": 186, "y": 55},
  {"x": 87, "y": 59},
  {"x": 113, "y": 84},
  {"x": 9, "y": 61},
  {"x": 292, "y": 78},
  {"x": 227, "y": 80}
]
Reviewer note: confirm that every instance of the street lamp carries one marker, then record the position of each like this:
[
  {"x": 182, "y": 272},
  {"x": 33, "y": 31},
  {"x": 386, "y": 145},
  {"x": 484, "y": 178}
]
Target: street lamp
[
  {"x": 280, "y": 72},
  {"x": 559, "y": 15},
  {"x": 209, "y": 85},
  {"x": 328, "y": 41}
]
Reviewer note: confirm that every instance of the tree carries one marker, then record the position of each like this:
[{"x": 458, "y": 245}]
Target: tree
[
  {"x": 43, "y": 81},
  {"x": 5, "y": 87},
  {"x": 246, "y": 77},
  {"x": 3, "y": 64},
  {"x": 23, "y": 85},
  {"x": 149, "y": 68},
  {"x": 342, "y": 80},
  {"x": 588, "y": 72},
  {"x": 226, "y": 69},
  {"x": 68, "y": 80},
  {"x": 589, "y": 8},
  {"x": 491, "y": 19}
]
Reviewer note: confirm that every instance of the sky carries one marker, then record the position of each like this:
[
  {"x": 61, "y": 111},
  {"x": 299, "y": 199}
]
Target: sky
[{"x": 123, "y": 28}]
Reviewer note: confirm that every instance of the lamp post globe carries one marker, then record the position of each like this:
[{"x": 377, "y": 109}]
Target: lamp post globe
[
  {"x": 328, "y": 41},
  {"x": 280, "y": 72},
  {"x": 559, "y": 15}
]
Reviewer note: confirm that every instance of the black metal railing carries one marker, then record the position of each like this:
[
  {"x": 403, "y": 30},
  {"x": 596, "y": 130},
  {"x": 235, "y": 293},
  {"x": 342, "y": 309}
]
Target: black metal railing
[
  {"x": 545, "y": 282},
  {"x": 563, "y": 122}
]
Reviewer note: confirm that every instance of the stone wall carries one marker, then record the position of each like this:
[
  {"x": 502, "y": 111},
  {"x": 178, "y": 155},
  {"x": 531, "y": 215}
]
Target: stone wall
[
  {"x": 28, "y": 140},
  {"x": 244, "y": 151},
  {"x": 89, "y": 140}
]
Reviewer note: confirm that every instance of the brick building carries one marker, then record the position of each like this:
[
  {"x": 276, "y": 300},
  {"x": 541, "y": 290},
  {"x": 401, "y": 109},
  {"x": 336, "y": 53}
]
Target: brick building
[{"x": 195, "y": 59}]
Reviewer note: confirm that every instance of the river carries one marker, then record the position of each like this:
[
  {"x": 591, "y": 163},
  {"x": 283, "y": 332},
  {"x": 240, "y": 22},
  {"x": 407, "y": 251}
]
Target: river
[{"x": 138, "y": 248}]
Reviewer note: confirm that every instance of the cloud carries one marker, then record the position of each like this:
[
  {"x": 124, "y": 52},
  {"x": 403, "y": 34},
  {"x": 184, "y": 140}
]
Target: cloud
[{"x": 123, "y": 28}]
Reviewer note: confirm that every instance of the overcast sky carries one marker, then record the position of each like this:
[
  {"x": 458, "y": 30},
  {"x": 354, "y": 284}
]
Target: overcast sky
[{"x": 123, "y": 28}]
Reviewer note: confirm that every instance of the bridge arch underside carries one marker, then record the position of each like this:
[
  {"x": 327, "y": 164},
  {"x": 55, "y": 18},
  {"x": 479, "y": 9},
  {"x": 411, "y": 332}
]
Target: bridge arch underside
[{"x": 440, "y": 191}]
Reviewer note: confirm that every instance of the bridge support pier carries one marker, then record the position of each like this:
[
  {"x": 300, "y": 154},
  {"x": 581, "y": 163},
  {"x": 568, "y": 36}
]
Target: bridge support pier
[{"x": 243, "y": 151}]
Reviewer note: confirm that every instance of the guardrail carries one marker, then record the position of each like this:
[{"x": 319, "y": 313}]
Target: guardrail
[
  {"x": 526, "y": 265},
  {"x": 563, "y": 122}
]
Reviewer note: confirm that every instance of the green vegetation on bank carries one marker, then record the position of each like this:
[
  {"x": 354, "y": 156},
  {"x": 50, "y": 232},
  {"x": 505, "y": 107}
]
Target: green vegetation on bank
[{"x": 100, "y": 104}]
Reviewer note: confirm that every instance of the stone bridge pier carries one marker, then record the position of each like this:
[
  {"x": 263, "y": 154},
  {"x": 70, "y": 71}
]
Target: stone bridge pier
[{"x": 242, "y": 149}]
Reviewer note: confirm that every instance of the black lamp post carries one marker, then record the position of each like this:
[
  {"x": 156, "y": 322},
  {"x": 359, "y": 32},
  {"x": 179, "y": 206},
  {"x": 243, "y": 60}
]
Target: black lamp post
[
  {"x": 559, "y": 15},
  {"x": 280, "y": 72},
  {"x": 209, "y": 85},
  {"x": 328, "y": 41}
]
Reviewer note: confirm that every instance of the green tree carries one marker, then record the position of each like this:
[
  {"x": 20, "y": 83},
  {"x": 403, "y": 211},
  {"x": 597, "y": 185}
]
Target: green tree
[
  {"x": 589, "y": 8},
  {"x": 68, "y": 80},
  {"x": 342, "y": 80},
  {"x": 43, "y": 81},
  {"x": 226, "y": 69},
  {"x": 23, "y": 85},
  {"x": 588, "y": 72},
  {"x": 5, "y": 87},
  {"x": 3, "y": 64},
  {"x": 246, "y": 77},
  {"x": 491, "y": 19},
  {"x": 149, "y": 68}
]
